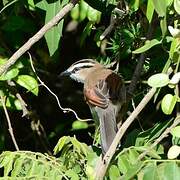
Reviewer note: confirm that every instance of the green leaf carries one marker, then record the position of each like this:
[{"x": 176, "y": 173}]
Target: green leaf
[
  {"x": 79, "y": 125},
  {"x": 10, "y": 74},
  {"x": 53, "y": 35},
  {"x": 29, "y": 83},
  {"x": 177, "y": 6},
  {"x": 86, "y": 32},
  {"x": 171, "y": 171},
  {"x": 17, "y": 167},
  {"x": 168, "y": 103},
  {"x": 13, "y": 103},
  {"x": 133, "y": 155},
  {"x": 62, "y": 141},
  {"x": 75, "y": 12},
  {"x": 150, "y": 10},
  {"x": 123, "y": 163},
  {"x": 158, "y": 80},
  {"x": 73, "y": 175},
  {"x": 83, "y": 8},
  {"x": 150, "y": 172},
  {"x": 163, "y": 24},
  {"x": 148, "y": 45},
  {"x": 176, "y": 131},
  {"x": 93, "y": 15},
  {"x": 31, "y": 5},
  {"x": 173, "y": 47},
  {"x": 114, "y": 172},
  {"x": 133, "y": 170},
  {"x": 160, "y": 7},
  {"x": 135, "y": 5}
]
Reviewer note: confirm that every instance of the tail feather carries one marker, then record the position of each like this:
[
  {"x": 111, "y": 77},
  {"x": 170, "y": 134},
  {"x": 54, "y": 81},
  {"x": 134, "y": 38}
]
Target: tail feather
[{"x": 108, "y": 126}]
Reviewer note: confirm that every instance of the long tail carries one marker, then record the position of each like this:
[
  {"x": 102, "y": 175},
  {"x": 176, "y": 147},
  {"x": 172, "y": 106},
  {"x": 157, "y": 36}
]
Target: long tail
[{"x": 108, "y": 126}]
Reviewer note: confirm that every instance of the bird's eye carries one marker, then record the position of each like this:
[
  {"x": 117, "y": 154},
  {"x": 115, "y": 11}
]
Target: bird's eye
[{"x": 75, "y": 69}]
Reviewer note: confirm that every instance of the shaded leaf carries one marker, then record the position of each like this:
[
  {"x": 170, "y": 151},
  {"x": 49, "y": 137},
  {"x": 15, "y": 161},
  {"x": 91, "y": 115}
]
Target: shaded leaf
[
  {"x": 79, "y": 125},
  {"x": 54, "y": 34}
]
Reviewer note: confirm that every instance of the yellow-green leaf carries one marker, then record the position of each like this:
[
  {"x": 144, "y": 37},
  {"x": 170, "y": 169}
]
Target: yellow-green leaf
[
  {"x": 29, "y": 83},
  {"x": 158, "y": 80},
  {"x": 168, "y": 103},
  {"x": 148, "y": 44}
]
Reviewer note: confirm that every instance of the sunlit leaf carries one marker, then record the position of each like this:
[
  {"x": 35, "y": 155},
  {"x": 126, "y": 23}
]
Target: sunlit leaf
[
  {"x": 10, "y": 74},
  {"x": 163, "y": 25},
  {"x": 176, "y": 131},
  {"x": 29, "y": 83},
  {"x": 168, "y": 103},
  {"x": 62, "y": 141},
  {"x": 31, "y": 5},
  {"x": 175, "y": 79},
  {"x": 114, "y": 172},
  {"x": 75, "y": 12},
  {"x": 171, "y": 171},
  {"x": 93, "y": 15},
  {"x": 173, "y": 152},
  {"x": 150, "y": 10},
  {"x": 174, "y": 32},
  {"x": 150, "y": 172},
  {"x": 135, "y": 5},
  {"x": 148, "y": 45},
  {"x": 160, "y": 7},
  {"x": 158, "y": 80},
  {"x": 177, "y": 6}
]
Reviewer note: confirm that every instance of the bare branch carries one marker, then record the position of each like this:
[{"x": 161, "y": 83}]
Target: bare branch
[
  {"x": 3, "y": 100},
  {"x": 37, "y": 36},
  {"x": 103, "y": 164}
]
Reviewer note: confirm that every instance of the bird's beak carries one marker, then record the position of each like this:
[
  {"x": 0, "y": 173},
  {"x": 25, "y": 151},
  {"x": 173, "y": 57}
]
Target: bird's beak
[{"x": 65, "y": 73}]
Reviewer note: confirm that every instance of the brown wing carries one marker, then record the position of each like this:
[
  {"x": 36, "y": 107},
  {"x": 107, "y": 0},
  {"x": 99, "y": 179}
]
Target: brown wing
[{"x": 105, "y": 90}]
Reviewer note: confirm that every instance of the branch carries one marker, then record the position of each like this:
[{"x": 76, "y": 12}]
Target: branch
[
  {"x": 102, "y": 165},
  {"x": 3, "y": 99},
  {"x": 65, "y": 110},
  {"x": 12, "y": 60},
  {"x": 160, "y": 138},
  {"x": 21, "y": 100}
]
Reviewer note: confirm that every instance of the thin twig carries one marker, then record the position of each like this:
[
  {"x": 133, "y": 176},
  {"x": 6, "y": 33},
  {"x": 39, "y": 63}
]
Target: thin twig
[
  {"x": 102, "y": 165},
  {"x": 160, "y": 138},
  {"x": 3, "y": 100},
  {"x": 19, "y": 97},
  {"x": 37, "y": 36},
  {"x": 65, "y": 110}
]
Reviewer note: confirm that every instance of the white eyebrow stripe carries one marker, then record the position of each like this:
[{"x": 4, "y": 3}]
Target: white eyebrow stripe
[{"x": 79, "y": 66}]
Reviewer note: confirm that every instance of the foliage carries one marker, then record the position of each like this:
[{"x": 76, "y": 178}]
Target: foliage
[{"x": 151, "y": 28}]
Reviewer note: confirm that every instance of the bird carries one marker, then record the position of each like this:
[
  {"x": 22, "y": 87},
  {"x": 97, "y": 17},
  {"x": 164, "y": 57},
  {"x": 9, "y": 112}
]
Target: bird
[{"x": 104, "y": 91}]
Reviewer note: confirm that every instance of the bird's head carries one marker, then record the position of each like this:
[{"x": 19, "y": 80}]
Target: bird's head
[{"x": 80, "y": 69}]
